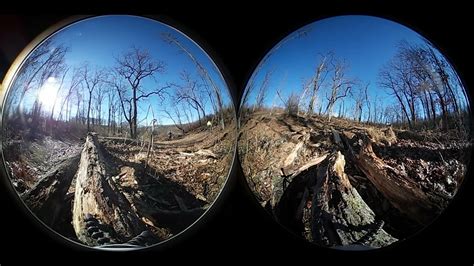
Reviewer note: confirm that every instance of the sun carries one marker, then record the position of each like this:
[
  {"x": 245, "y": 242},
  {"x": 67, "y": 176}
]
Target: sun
[{"x": 48, "y": 93}]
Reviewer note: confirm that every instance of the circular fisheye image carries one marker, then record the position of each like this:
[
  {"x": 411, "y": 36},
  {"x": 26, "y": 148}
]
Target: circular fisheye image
[
  {"x": 117, "y": 132},
  {"x": 354, "y": 132}
]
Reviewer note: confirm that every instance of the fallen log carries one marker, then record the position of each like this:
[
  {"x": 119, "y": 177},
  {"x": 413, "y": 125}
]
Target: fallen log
[
  {"x": 98, "y": 199},
  {"x": 399, "y": 189},
  {"x": 47, "y": 197},
  {"x": 339, "y": 214}
]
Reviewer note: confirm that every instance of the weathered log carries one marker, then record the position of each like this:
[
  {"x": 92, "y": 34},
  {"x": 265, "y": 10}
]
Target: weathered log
[
  {"x": 399, "y": 189},
  {"x": 293, "y": 154},
  {"x": 339, "y": 214},
  {"x": 97, "y": 197},
  {"x": 288, "y": 174},
  {"x": 294, "y": 172},
  {"x": 47, "y": 197}
]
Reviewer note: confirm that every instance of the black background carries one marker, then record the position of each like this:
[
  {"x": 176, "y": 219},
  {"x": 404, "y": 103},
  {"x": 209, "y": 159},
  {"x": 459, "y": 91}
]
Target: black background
[{"x": 238, "y": 35}]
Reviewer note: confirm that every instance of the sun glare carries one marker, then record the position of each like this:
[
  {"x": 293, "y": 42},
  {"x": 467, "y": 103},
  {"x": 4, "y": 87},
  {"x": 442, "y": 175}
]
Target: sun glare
[{"x": 48, "y": 93}]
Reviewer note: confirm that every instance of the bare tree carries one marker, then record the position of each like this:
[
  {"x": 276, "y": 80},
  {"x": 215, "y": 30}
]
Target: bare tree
[
  {"x": 45, "y": 61},
  {"x": 134, "y": 66},
  {"x": 419, "y": 76},
  {"x": 367, "y": 102},
  {"x": 340, "y": 86},
  {"x": 190, "y": 93},
  {"x": 176, "y": 118},
  {"x": 57, "y": 92},
  {"x": 302, "y": 95},
  {"x": 318, "y": 79},
  {"x": 359, "y": 99},
  {"x": 206, "y": 77},
  {"x": 92, "y": 80},
  {"x": 387, "y": 80},
  {"x": 262, "y": 92},
  {"x": 111, "y": 110},
  {"x": 291, "y": 103},
  {"x": 74, "y": 82},
  {"x": 251, "y": 84},
  {"x": 99, "y": 99},
  {"x": 445, "y": 92}
]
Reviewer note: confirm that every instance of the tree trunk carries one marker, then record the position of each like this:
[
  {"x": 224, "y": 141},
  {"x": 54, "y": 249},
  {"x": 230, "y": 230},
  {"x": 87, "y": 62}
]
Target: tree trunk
[
  {"x": 338, "y": 216},
  {"x": 135, "y": 113},
  {"x": 89, "y": 111},
  {"x": 433, "y": 109},
  {"x": 97, "y": 199}
]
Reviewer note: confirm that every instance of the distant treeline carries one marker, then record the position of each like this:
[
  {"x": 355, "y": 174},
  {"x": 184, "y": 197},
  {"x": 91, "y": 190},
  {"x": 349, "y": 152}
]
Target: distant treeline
[
  {"x": 97, "y": 97},
  {"x": 422, "y": 90}
]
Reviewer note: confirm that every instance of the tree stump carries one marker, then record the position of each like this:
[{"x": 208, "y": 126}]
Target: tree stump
[
  {"x": 339, "y": 214},
  {"x": 320, "y": 199}
]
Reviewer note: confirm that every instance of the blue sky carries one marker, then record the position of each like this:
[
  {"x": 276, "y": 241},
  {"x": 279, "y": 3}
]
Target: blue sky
[
  {"x": 99, "y": 40},
  {"x": 366, "y": 43}
]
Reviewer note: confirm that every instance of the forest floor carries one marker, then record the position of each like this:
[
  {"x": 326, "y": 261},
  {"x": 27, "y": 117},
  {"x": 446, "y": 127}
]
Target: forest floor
[
  {"x": 398, "y": 180},
  {"x": 168, "y": 186}
]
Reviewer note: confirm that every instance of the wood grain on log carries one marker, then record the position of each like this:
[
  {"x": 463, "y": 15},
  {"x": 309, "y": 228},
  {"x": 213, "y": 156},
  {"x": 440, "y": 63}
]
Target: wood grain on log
[
  {"x": 96, "y": 195},
  {"x": 339, "y": 214},
  {"x": 401, "y": 191},
  {"x": 288, "y": 174}
]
